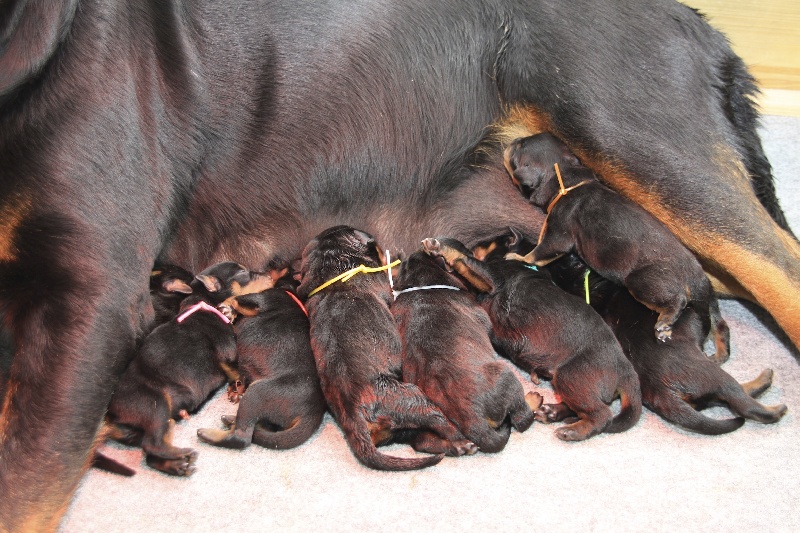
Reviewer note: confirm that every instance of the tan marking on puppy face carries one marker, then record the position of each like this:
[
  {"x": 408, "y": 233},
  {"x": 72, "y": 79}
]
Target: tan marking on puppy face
[
  {"x": 481, "y": 252},
  {"x": 259, "y": 283},
  {"x": 11, "y": 217}
]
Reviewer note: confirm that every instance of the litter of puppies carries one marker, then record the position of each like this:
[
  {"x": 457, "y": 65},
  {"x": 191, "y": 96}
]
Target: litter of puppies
[{"x": 416, "y": 357}]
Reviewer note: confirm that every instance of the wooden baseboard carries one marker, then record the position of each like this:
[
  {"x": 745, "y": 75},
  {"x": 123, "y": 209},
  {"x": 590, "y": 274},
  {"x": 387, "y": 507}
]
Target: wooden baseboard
[{"x": 779, "y": 102}]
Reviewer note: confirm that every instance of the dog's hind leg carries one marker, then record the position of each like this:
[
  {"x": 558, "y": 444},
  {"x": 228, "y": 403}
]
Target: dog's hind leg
[
  {"x": 741, "y": 403},
  {"x": 759, "y": 385}
]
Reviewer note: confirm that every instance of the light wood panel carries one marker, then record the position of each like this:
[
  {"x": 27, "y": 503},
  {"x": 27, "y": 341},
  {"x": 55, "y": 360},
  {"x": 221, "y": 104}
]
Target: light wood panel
[{"x": 766, "y": 33}]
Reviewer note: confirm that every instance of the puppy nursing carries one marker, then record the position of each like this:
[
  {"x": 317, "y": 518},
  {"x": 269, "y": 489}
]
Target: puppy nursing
[
  {"x": 448, "y": 353},
  {"x": 616, "y": 237},
  {"x": 278, "y": 380},
  {"x": 357, "y": 349},
  {"x": 677, "y": 378},
  {"x": 552, "y": 335},
  {"x": 181, "y": 362}
]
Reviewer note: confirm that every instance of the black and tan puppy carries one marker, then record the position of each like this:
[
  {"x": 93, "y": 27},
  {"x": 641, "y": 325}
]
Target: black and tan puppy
[
  {"x": 448, "y": 354},
  {"x": 180, "y": 363},
  {"x": 614, "y": 236},
  {"x": 174, "y": 372},
  {"x": 357, "y": 348},
  {"x": 555, "y": 336},
  {"x": 278, "y": 387},
  {"x": 677, "y": 378},
  {"x": 226, "y": 279},
  {"x": 169, "y": 285}
]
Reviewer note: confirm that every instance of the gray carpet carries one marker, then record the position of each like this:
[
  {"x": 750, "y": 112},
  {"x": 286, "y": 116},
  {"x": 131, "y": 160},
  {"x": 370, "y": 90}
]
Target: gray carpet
[{"x": 654, "y": 477}]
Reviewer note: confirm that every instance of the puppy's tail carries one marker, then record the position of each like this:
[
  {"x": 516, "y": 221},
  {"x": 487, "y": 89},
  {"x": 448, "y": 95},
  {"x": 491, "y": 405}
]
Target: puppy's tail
[
  {"x": 293, "y": 436},
  {"x": 359, "y": 438},
  {"x": 630, "y": 397},
  {"x": 103, "y": 462},
  {"x": 684, "y": 415}
]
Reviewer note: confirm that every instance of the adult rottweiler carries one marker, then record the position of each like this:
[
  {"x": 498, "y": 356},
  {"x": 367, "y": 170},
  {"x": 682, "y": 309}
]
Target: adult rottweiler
[{"x": 169, "y": 130}]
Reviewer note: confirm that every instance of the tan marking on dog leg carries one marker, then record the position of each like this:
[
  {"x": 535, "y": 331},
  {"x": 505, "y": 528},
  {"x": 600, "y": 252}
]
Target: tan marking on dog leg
[{"x": 11, "y": 217}]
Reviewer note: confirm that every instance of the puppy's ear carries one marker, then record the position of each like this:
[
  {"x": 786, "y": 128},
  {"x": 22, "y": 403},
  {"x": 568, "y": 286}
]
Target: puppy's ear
[
  {"x": 245, "y": 305},
  {"x": 363, "y": 237},
  {"x": 211, "y": 283},
  {"x": 176, "y": 285}
]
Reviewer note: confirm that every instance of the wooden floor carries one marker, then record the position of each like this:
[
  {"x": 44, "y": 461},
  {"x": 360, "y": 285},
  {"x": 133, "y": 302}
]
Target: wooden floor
[{"x": 766, "y": 33}]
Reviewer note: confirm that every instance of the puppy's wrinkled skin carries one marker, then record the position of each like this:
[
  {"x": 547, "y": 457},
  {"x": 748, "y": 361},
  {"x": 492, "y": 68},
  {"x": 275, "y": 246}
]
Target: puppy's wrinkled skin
[
  {"x": 358, "y": 353},
  {"x": 555, "y": 336},
  {"x": 448, "y": 354}
]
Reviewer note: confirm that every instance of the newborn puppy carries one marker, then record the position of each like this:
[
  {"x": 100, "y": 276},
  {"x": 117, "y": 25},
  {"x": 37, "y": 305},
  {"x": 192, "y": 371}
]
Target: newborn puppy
[
  {"x": 169, "y": 285},
  {"x": 357, "y": 349},
  {"x": 226, "y": 279},
  {"x": 278, "y": 380},
  {"x": 677, "y": 378},
  {"x": 174, "y": 372},
  {"x": 552, "y": 335},
  {"x": 616, "y": 237},
  {"x": 448, "y": 354}
]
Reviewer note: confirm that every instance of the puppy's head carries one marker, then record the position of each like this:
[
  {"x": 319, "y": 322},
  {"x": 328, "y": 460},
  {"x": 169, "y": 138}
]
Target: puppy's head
[
  {"x": 530, "y": 160},
  {"x": 168, "y": 280},
  {"x": 421, "y": 268},
  {"x": 455, "y": 257},
  {"x": 511, "y": 242},
  {"x": 169, "y": 285},
  {"x": 223, "y": 280},
  {"x": 334, "y": 251}
]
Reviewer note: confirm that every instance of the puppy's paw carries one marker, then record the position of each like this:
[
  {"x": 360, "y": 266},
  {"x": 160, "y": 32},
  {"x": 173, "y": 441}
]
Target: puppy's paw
[
  {"x": 184, "y": 414},
  {"x": 182, "y": 464},
  {"x": 463, "y": 447},
  {"x": 534, "y": 400},
  {"x": 552, "y": 412},
  {"x": 235, "y": 391},
  {"x": 228, "y": 420},
  {"x": 228, "y": 311},
  {"x": 663, "y": 331}
]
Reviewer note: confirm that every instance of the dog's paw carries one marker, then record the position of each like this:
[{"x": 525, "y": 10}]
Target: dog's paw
[
  {"x": 184, "y": 414},
  {"x": 228, "y": 420},
  {"x": 235, "y": 391},
  {"x": 534, "y": 400},
  {"x": 463, "y": 447},
  {"x": 663, "y": 332},
  {"x": 181, "y": 462},
  {"x": 552, "y": 412},
  {"x": 228, "y": 311}
]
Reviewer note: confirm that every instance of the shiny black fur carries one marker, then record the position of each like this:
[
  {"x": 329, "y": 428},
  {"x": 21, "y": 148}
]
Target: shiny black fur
[
  {"x": 555, "y": 336},
  {"x": 357, "y": 348},
  {"x": 169, "y": 129}
]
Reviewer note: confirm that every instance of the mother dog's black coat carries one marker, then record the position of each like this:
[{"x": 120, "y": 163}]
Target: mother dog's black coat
[{"x": 193, "y": 131}]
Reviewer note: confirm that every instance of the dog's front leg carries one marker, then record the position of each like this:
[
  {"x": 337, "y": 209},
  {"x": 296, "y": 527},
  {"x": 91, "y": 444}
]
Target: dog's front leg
[{"x": 73, "y": 317}]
